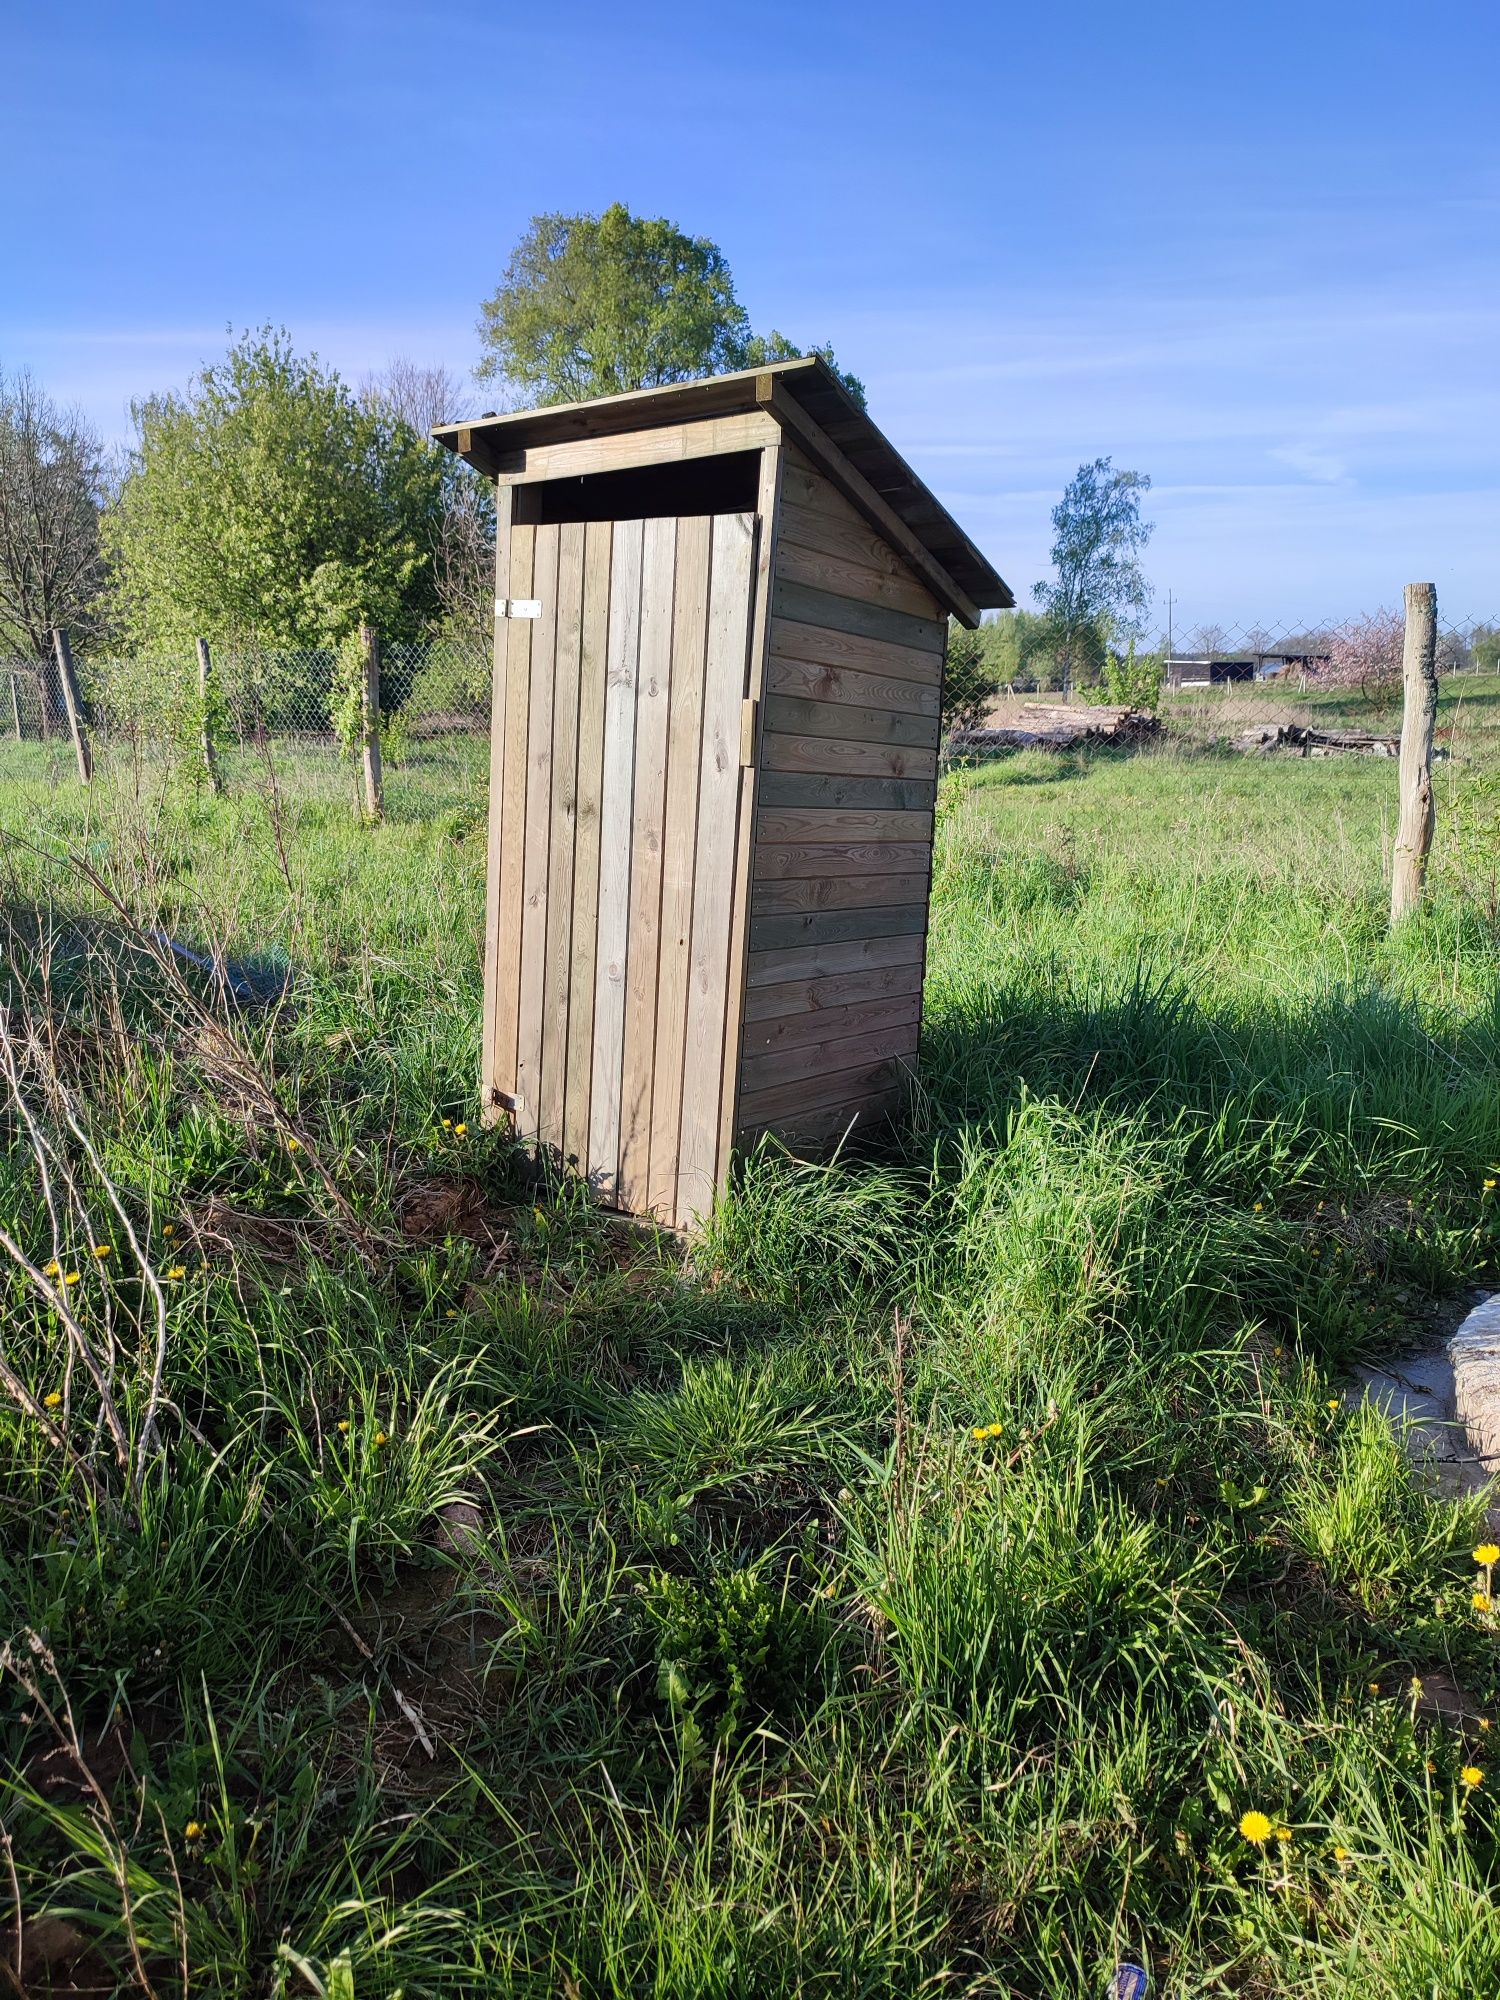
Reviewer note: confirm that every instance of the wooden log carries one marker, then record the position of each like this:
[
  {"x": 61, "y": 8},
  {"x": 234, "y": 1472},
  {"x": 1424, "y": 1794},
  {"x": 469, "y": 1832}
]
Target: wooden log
[
  {"x": 63, "y": 653},
  {"x": 1418, "y": 721},
  {"x": 205, "y": 719},
  {"x": 369, "y": 724}
]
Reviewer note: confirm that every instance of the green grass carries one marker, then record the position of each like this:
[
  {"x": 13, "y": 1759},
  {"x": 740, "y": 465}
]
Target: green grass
[{"x": 518, "y": 1607}]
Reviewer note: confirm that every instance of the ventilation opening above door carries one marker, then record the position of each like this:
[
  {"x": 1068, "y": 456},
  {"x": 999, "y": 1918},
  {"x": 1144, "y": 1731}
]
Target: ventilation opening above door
[{"x": 726, "y": 485}]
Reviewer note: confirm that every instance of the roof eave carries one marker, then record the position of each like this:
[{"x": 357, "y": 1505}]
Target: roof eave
[{"x": 800, "y": 394}]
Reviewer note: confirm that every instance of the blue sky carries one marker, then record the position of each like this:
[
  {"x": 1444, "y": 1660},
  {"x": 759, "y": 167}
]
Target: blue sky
[{"x": 1250, "y": 251}]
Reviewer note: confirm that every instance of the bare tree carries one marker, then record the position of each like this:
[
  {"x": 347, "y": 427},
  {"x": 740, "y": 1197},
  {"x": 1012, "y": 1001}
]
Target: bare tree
[
  {"x": 420, "y": 396},
  {"x": 424, "y": 397},
  {"x": 466, "y": 559},
  {"x": 51, "y": 488},
  {"x": 1210, "y": 640}
]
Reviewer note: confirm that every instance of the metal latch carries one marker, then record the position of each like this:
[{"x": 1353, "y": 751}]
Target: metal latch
[{"x": 518, "y": 607}]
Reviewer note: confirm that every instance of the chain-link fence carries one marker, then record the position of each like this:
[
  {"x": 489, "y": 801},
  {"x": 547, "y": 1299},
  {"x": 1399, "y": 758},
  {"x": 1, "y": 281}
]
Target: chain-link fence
[
  {"x": 292, "y": 715},
  {"x": 296, "y": 716}
]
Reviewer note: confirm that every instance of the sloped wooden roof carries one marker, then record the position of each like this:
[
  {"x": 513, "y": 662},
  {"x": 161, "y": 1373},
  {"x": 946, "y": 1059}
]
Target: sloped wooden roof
[{"x": 812, "y": 405}]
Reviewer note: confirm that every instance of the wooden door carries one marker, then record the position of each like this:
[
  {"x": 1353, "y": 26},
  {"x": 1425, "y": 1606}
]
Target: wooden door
[{"x": 616, "y": 826}]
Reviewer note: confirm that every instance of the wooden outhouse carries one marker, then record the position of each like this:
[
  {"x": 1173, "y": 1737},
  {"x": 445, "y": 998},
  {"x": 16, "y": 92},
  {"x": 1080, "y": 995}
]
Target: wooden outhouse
[{"x": 719, "y": 634}]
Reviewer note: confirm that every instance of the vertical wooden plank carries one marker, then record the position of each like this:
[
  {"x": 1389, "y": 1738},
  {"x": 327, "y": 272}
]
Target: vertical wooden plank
[
  {"x": 614, "y": 858},
  {"x": 508, "y": 815},
  {"x": 679, "y": 848},
  {"x": 369, "y": 724},
  {"x": 713, "y": 889},
  {"x": 768, "y": 519},
  {"x": 598, "y": 538},
  {"x": 73, "y": 702},
  {"x": 206, "y": 707},
  {"x": 565, "y": 692},
  {"x": 537, "y": 836},
  {"x": 652, "y": 716}
]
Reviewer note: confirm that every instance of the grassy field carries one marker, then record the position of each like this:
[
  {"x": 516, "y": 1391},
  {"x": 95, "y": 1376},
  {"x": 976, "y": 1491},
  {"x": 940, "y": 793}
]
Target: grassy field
[{"x": 909, "y": 1592}]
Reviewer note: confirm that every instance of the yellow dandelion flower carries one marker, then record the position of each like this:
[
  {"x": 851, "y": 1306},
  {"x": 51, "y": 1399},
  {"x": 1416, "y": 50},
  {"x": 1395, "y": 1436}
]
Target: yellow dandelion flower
[
  {"x": 1256, "y": 1828},
  {"x": 1489, "y": 1185},
  {"x": 73, "y": 1278},
  {"x": 169, "y": 1229},
  {"x": 1431, "y": 1768},
  {"x": 294, "y": 1145},
  {"x": 1163, "y": 1482},
  {"x": 979, "y": 1434},
  {"x": 459, "y": 1131},
  {"x": 1480, "y": 1600},
  {"x": 178, "y": 1271},
  {"x": 1259, "y": 1207},
  {"x": 450, "y": 1314},
  {"x": 381, "y": 1438},
  {"x": 53, "y": 1399},
  {"x": 1374, "y": 1687},
  {"x": 343, "y": 1423},
  {"x": 193, "y": 1830},
  {"x": 53, "y": 1270},
  {"x": 1487, "y": 1553},
  {"x": 1484, "y": 1722},
  {"x": 447, "y": 1124},
  {"x": 1416, "y": 1687},
  {"x": 1470, "y": 1776},
  {"x": 1333, "y": 1402},
  {"x": 997, "y": 1430},
  {"x": 103, "y": 1250},
  {"x": 1341, "y": 1855},
  {"x": 1284, "y": 1835}
]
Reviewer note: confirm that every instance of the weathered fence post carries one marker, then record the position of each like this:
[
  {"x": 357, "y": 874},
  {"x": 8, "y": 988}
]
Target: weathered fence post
[
  {"x": 369, "y": 640},
  {"x": 15, "y": 706},
  {"x": 205, "y": 710},
  {"x": 63, "y": 653},
  {"x": 1418, "y": 722}
]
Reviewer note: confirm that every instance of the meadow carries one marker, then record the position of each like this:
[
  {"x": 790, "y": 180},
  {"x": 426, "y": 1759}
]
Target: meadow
[{"x": 960, "y": 1571}]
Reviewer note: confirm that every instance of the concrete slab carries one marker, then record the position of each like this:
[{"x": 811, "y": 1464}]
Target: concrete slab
[
  {"x": 1474, "y": 1352},
  {"x": 1446, "y": 1401}
]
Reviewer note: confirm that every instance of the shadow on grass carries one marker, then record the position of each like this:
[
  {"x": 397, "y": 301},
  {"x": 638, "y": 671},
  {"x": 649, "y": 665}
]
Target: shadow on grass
[{"x": 1359, "y": 1077}]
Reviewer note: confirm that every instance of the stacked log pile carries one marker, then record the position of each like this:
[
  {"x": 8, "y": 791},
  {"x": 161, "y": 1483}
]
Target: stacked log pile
[
  {"x": 1055, "y": 726},
  {"x": 1269, "y": 736}
]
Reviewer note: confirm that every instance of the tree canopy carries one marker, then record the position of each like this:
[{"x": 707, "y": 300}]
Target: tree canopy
[
  {"x": 595, "y": 305},
  {"x": 1099, "y": 535},
  {"x": 270, "y": 503}
]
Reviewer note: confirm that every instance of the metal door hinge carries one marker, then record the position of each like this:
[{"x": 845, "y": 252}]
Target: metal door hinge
[{"x": 518, "y": 607}]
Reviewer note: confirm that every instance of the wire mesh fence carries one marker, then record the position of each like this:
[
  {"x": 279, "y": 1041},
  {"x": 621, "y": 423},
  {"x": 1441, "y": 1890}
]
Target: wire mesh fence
[{"x": 291, "y": 715}]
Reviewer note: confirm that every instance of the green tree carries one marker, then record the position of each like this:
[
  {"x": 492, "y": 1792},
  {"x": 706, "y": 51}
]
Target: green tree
[
  {"x": 270, "y": 504},
  {"x": 761, "y": 349},
  {"x": 1099, "y": 535},
  {"x": 1484, "y": 649},
  {"x": 969, "y": 680},
  {"x": 595, "y": 305}
]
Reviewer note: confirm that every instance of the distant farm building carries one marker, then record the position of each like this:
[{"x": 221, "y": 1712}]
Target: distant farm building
[{"x": 1216, "y": 669}]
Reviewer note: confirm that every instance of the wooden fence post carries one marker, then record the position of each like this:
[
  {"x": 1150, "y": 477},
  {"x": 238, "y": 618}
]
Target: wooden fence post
[
  {"x": 15, "y": 706},
  {"x": 63, "y": 653},
  {"x": 1418, "y": 722},
  {"x": 369, "y": 640},
  {"x": 205, "y": 694}
]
